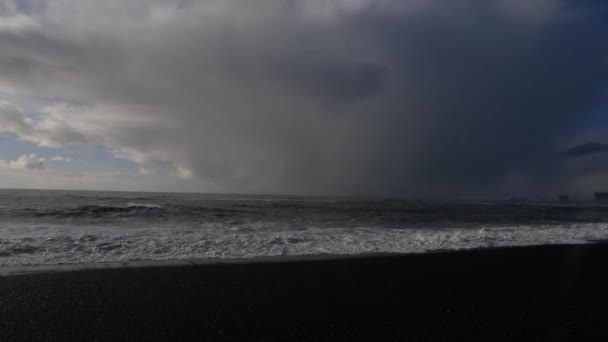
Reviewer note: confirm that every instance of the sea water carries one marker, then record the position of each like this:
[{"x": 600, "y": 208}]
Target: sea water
[{"x": 83, "y": 227}]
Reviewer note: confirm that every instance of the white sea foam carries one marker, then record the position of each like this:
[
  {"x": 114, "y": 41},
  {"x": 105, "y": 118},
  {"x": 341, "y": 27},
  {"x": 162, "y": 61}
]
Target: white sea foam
[
  {"x": 53, "y": 245},
  {"x": 142, "y": 205}
]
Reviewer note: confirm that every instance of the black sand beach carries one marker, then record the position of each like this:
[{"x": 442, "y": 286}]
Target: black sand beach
[{"x": 548, "y": 293}]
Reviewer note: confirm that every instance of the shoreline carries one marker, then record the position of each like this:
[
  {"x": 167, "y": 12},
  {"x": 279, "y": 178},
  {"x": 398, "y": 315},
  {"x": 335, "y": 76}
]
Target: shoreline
[
  {"x": 551, "y": 292},
  {"x": 114, "y": 265},
  {"x": 130, "y": 264}
]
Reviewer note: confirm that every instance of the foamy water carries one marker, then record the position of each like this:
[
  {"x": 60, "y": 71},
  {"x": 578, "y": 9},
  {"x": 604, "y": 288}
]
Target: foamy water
[
  {"x": 58, "y": 245},
  {"x": 53, "y": 228}
]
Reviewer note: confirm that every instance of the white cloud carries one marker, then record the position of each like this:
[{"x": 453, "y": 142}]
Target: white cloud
[
  {"x": 18, "y": 24},
  {"x": 61, "y": 159},
  {"x": 144, "y": 171},
  {"x": 25, "y": 162}
]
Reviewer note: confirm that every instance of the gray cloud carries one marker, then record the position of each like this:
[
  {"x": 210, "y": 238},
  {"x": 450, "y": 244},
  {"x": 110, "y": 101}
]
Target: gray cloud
[
  {"x": 355, "y": 97},
  {"x": 585, "y": 150},
  {"x": 48, "y": 131}
]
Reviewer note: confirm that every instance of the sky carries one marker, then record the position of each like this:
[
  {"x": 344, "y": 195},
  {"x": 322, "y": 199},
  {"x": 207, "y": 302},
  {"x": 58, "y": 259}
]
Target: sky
[{"x": 400, "y": 98}]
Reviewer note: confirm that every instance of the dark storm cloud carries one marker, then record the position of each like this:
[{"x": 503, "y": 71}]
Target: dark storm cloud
[
  {"x": 586, "y": 150},
  {"x": 355, "y": 97}
]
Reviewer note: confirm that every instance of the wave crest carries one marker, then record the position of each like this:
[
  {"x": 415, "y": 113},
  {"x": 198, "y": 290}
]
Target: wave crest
[
  {"x": 51, "y": 246},
  {"x": 98, "y": 211}
]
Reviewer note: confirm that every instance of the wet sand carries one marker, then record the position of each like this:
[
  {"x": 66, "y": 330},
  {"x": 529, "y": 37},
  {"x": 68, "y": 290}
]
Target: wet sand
[{"x": 557, "y": 293}]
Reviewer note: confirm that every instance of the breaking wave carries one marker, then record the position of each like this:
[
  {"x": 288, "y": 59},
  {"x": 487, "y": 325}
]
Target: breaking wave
[
  {"x": 47, "y": 245},
  {"x": 323, "y": 214},
  {"x": 96, "y": 211},
  {"x": 130, "y": 210},
  {"x": 64, "y": 227},
  {"x": 143, "y": 205}
]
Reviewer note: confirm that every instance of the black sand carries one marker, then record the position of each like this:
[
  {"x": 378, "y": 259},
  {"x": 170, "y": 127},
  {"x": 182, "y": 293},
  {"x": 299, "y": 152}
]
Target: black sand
[{"x": 552, "y": 293}]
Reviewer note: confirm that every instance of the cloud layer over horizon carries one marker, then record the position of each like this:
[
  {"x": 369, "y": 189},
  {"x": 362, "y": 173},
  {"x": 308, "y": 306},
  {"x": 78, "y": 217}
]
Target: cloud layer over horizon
[{"x": 367, "y": 97}]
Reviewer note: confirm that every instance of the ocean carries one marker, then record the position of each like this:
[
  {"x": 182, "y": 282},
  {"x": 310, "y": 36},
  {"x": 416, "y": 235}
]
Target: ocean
[{"x": 87, "y": 227}]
